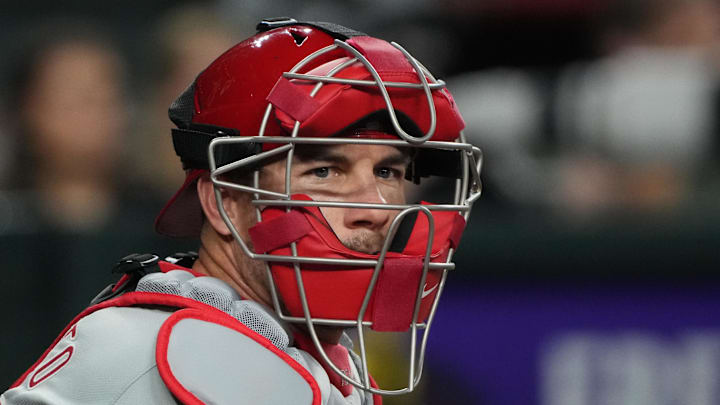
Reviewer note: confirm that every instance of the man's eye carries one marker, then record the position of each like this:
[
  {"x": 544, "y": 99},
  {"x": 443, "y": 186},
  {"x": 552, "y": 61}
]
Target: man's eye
[
  {"x": 321, "y": 172},
  {"x": 387, "y": 173}
]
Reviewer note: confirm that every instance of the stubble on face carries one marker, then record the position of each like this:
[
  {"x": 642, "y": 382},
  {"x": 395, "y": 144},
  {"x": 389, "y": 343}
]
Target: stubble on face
[
  {"x": 255, "y": 269},
  {"x": 365, "y": 241}
]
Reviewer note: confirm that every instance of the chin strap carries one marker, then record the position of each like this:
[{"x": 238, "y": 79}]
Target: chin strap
[
  {"x": 267, "y": 235},
  {"x": 396, "y": 293}
]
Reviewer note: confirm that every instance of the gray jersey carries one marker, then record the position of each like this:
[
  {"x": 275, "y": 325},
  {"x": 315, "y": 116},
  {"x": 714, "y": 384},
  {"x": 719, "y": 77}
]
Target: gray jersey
[{"x": 161, "y": 355}]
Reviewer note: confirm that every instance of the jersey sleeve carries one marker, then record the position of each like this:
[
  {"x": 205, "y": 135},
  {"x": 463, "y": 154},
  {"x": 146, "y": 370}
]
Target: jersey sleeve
[{"x": 107, "y": 357}]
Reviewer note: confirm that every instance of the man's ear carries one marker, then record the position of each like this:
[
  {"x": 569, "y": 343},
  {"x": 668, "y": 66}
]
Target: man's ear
[{"x": 206, "y": 195}]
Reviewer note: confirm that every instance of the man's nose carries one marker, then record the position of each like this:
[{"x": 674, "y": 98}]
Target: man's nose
[{"x": 365, "y": 190}]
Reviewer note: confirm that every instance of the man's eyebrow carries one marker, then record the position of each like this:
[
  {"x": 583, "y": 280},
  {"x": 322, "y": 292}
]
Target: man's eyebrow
[
  {"x": 321, "y": 155},
  {"x": 397, "y": 159},
  {"x": 308, "y": 155}
]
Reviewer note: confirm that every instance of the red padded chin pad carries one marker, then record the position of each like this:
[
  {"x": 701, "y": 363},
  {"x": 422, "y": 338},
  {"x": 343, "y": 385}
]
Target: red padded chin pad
[{"x": 337, "y": 291}]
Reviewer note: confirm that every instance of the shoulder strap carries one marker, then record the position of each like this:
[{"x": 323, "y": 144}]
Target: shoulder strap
[{"x": 133, "y": 267}]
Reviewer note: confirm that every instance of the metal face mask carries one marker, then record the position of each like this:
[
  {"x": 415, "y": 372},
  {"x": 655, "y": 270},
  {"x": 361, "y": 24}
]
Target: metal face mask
[{"x": 314, "y": 278}]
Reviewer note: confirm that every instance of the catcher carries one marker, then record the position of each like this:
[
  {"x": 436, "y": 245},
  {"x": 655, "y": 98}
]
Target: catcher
[{"x": 299, "y": 144}]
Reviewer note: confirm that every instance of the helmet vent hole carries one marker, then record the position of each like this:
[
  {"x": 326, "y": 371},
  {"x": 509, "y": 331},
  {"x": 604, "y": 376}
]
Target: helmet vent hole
[{"x": 299, "y": 37}]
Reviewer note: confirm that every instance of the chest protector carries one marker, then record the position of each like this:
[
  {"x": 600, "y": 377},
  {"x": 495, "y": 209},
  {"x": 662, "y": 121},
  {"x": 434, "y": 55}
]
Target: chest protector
[{"x": 214, "y": 347}]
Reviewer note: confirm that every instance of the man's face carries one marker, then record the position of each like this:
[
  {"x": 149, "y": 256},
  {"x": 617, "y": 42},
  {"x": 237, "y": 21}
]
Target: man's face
[{"x": 348, "y": 173}]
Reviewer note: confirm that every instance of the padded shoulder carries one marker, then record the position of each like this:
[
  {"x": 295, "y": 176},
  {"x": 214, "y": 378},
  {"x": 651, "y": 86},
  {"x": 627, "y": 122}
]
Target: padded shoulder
[
  {"x": 101, "y": 359},
  {"x": 208, "y": 346},
  {"x": 209, "y": 357}
]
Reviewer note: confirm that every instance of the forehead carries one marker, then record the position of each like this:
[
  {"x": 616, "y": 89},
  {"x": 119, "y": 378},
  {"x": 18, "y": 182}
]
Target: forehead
[{"x": 349, "y": 152}]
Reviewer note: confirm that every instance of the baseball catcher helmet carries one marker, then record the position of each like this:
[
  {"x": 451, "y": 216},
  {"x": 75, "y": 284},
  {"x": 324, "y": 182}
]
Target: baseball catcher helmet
[{"x": 300, "y": 83}]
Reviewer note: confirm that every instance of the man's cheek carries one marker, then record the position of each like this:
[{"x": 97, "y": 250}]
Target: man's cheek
[
  {"x": 392, "y": 194},
  {"x": 334, "y": 217}
]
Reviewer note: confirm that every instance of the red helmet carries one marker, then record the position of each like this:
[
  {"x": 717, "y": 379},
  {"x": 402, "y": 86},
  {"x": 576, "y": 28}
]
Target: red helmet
[{"x": 313, "y": 83}]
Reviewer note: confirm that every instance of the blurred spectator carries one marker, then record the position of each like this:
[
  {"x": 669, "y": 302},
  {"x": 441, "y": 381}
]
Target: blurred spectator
[
  {"x": 632, "y": 132},
  {"x": 504, "y": 109},
  {"x": 185, "y": 41},
  {"x": 66, "y": 98},
  {"x": 71, "y": 211},
  {"x": 641, "y": 121}
]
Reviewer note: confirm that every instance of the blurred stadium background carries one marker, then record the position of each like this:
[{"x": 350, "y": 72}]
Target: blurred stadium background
[{"x": 588, "y": 274}]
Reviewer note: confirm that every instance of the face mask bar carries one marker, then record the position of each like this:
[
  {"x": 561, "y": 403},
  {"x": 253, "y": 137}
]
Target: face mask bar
[
  {"x": 416, "y": 310},
  {"x": 467, "y": 190}
]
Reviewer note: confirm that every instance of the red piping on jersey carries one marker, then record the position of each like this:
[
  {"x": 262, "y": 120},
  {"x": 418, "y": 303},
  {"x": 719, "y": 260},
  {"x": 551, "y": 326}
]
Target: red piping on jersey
[
  {"x": 56, "y": 366},
  {"x": 220, "y": 318}
]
